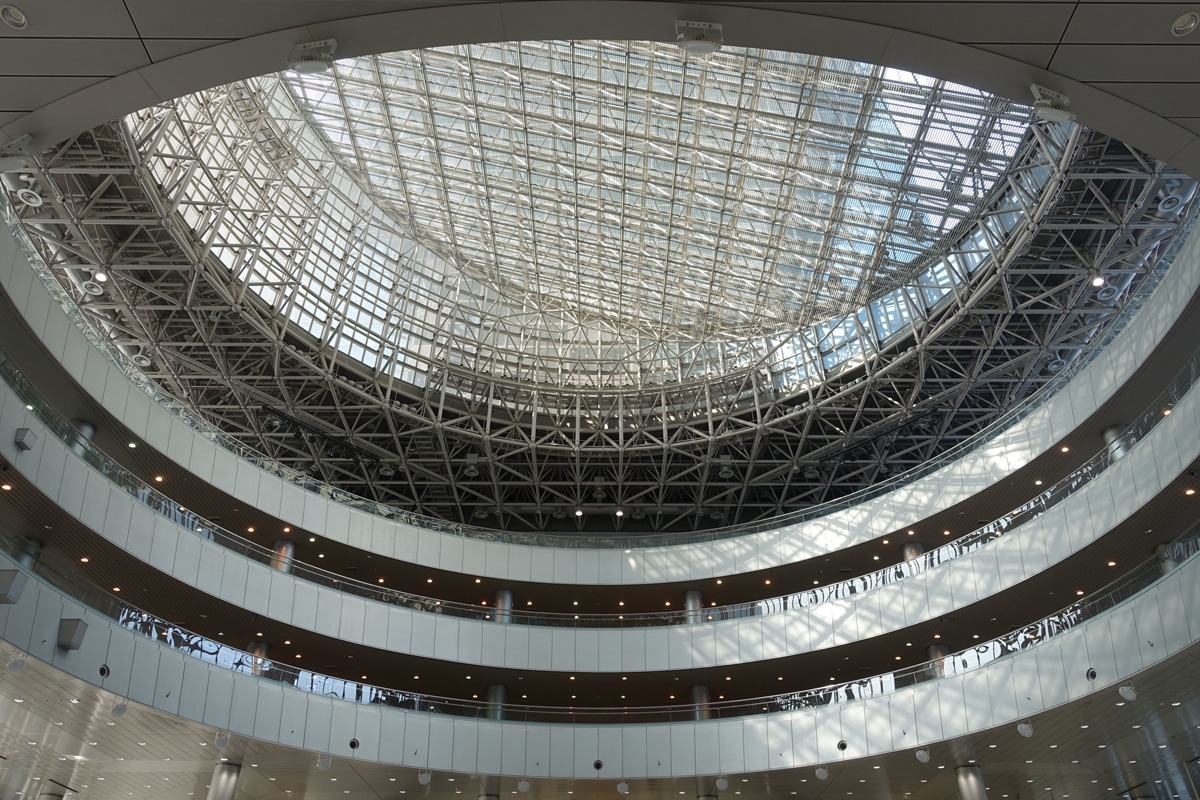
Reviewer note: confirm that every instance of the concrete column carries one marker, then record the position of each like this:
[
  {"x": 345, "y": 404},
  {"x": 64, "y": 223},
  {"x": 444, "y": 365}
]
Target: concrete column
[
  {"x": 258, "y": 651},
  {"x": 1118, "y": 443},
  {"x": 700, "y": 699},
  {"x": 1165, "y": 563},
  {"x": 937, "y": 654},
  {"x": 970, "y": 782},
  {"x": 84, "y": 431},
  {"x": 284, "y": 555},
  {"x": 504, "y": 601},
  {"x": 30, "y": 551},
  {"x": 693, "y": 605},
  {"x": 224, "y": 781},
  {"x": 489, "y": 785},
  {"x": 912, "y": 551}
]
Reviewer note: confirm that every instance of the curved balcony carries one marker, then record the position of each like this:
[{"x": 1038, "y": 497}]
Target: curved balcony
[
  {"x": 322, "y": 510},
  {"x": 907, "y": 594},
  {"x": 1143, "y": 618}
]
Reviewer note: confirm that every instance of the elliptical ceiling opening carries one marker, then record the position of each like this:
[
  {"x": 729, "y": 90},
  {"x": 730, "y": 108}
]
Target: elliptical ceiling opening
[{"x": 600, "y": 216}]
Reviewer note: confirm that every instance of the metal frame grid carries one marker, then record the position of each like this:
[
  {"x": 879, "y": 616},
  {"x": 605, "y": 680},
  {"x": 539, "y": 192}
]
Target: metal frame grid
[{"x": 205, "y": 213}]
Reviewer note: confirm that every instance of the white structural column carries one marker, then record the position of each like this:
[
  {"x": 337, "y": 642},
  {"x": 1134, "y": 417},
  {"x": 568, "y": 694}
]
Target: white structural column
[
  {"x": 224, "y": 781},
  {"x": 84, "y": 431},
  {"x": 970, "y": 782},
  {"x": 489, "y": 785},
  {"x": 284, "y": 553},
  {"x": 1118, "y": 443}
]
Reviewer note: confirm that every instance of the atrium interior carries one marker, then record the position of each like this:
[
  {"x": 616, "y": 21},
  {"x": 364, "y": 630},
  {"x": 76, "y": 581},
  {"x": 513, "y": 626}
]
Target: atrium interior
[{"x": 574, "y": 397}]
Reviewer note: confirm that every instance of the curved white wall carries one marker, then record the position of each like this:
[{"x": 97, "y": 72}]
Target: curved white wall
[
  {"x": 1021, "y": 553},
  {"x": 904, "y": 507},
  {"x": 1156, "y": 624}
]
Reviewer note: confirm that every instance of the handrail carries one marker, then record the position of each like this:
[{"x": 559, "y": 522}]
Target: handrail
[
  {"x": 151, "y": 497},
  {"x": 205, "y": 428},
  {"x": 1140, "y": 578}
]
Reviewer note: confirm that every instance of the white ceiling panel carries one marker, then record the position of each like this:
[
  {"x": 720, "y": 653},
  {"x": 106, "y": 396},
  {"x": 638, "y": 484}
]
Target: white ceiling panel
[
  {"x": 1107, "y": 23},
  {"x": 162, "y": 49},
  {"x": 71, "y": 56},
  {"x": 1037, "y": 54},
  {"x": 1169, "y": 100},
  {"x": 956, "y": 21},
  {"x": 27, "y": 93},
  {"x": 235, "y": 19},
  {"x": 60, "y": 18},
  {"x": 1137, "y": 63}
]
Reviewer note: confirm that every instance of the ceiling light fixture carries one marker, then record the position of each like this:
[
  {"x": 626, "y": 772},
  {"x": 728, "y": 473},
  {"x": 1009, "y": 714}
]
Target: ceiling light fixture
[
  {"x": 1127, "y": 692},
  {"x": 1025, "y": 728},
  {"x": 923, "y": 755},
  {"x": 698, "y": 38},
  {"x": 312, "y": 57},
  {"x": 1185, "y": 24},
  {"x": 16, "y": 19},
  {"x": 1051, "y": 106}
]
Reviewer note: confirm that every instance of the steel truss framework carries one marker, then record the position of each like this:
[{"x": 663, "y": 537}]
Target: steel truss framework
[{"x": 481, "y": 449}]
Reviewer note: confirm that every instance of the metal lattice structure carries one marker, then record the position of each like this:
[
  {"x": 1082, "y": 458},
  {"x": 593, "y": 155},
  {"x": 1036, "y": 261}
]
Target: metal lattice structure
[{"x": 384, "y": 335}]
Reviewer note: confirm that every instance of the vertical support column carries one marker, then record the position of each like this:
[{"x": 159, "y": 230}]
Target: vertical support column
[
  {"x": 970, "y": 782},
  {"x": 504, "y": 601},
  {"x": 84, "y": 431},
  {"x": 258, "y": 657},
  {"x": 489, "y": 785},
  {"x": 1166, "y": 564},
  {"x": 1118, "y": 444},
  {"x": 693, "y": 606},
  {"x": 284, "y": 553},
  {"x": 224, "y": 781},
  {"x": 937, "y": 654},
  {"x": 31, "y": 549},
  {"x": 700, "y": 699}
]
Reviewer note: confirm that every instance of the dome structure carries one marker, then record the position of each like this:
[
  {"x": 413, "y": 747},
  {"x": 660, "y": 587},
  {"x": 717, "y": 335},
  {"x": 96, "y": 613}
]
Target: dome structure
[{"x": 609, "y": 285}]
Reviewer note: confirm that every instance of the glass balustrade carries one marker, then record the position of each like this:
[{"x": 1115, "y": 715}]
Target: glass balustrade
[{"x": 1123, "y": 589}]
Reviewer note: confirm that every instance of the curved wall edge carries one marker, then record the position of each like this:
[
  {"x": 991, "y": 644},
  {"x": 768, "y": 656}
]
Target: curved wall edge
[
  {"x": 1156, "y": 624},
  {"x": 1011, "y": 449},
  {"x": 1079, "y": 520}
]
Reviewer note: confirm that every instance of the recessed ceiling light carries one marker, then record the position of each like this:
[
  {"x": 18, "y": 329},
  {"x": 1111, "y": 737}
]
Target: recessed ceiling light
[
  {"x": 579, "y": 512},
  {"x": 1189, "y": 492},
  {"x": 1065, "y": 449},
  {"x": 6, "y": 487},
  {"x": 158, "y": 479},
  {"x": 312, "y": 538},
  {"x": 133, "y": 444},
  {"x": 16, "y": 19},
  {"x": 287, "y": 529},
  {"x": 1112, "y": 563},
  {"x": 84, "y": 560},
  {"x": 1183, "y": 24}
]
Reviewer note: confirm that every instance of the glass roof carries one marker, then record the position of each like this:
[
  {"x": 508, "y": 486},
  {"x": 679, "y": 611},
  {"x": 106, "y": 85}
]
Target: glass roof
[
  {"x": 746, "y": 192},
  {"x": 597, "y": 215}
]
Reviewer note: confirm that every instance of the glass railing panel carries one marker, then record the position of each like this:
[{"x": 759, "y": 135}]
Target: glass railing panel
[
  {"x": 1052, "y": 495},
  {"x": 1125, "y": 588}
]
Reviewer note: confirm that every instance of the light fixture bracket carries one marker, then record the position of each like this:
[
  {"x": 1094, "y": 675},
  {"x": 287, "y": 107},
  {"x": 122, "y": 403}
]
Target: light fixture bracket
[
  {"x": 1051, "y": 106},
  {"x": 312, "y": 57},
  {"x": 15, "y": 155}
]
